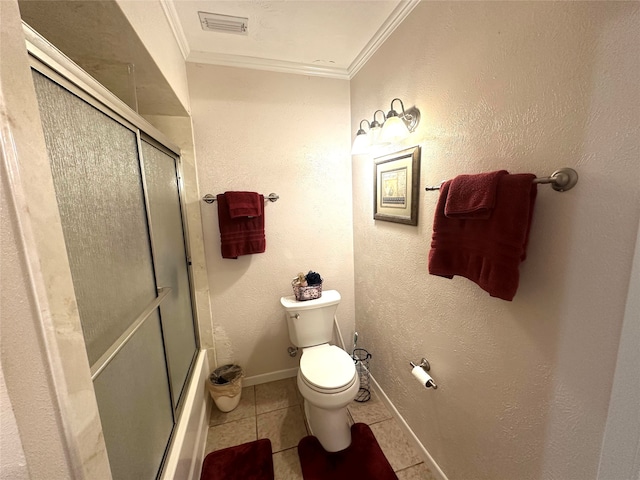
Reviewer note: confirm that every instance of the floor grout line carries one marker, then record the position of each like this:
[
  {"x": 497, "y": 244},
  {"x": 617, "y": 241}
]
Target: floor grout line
[
  {"x": 379, "y": 421},
  {"x": 278, "y": 409},
  {"x": 256, "y": 423},
  {"x": 407, "y": 468}
]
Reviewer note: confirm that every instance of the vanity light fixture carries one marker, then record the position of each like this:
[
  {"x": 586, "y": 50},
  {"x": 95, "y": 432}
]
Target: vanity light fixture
[
  {"x": 394, "y": 128},
  {"x": 397, "y": 127},
  {"x": 362, "y": 141}
]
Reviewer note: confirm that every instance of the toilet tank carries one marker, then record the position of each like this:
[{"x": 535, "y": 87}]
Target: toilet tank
[{"x": 311, "y": 322}]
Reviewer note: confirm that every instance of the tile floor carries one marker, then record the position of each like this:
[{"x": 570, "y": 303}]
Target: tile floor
[{"x": 274, "y": 410}]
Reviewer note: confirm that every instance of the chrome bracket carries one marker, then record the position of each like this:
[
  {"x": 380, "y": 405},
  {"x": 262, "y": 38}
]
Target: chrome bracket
[
  {"x": 411, "y": 118},
  {"x": 564, "y": 179},
  {"x": 424, "y": 363}
]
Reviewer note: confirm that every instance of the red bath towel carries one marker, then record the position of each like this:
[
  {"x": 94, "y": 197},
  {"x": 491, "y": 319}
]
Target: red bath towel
[
  {"x": 244, "y": 204},
  {"x": 473, "y": 196},
  {"x": 487, "y": 252},
  {"x": 241, "y": 235}
]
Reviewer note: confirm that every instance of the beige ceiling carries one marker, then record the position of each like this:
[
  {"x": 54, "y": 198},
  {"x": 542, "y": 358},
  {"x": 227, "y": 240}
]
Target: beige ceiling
[
  {"x": 322, "y": 37},
  {"x": 311, "y": 37}
]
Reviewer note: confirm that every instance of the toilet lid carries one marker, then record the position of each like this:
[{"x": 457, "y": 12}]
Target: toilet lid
[{"x": 327, "y": 367}]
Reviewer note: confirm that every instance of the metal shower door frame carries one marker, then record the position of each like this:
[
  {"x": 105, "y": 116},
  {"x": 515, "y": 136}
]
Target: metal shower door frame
[{"x": 53, "y": 64}]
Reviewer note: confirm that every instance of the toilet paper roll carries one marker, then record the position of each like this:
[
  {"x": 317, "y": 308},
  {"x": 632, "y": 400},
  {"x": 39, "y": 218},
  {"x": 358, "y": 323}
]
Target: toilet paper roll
[{"x": 422, "y": 376}]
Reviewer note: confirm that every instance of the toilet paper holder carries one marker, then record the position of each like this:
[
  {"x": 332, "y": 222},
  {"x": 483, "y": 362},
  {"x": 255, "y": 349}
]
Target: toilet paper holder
[{"x": 424, "y": 364}]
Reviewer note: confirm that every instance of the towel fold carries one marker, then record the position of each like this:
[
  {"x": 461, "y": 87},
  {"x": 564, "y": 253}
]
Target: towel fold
[
  {"x": 241, "y": 235},
  {"x": 487, "y": 252},
  {"x": 244, "y": 204},
  {"x": 473, "y": 196}
]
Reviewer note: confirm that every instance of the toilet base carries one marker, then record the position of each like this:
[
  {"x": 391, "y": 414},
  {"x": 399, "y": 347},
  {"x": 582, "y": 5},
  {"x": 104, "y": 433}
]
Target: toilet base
[{"x": 331, "y": 427}]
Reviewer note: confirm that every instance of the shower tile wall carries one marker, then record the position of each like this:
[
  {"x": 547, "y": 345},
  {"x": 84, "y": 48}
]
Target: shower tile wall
[{"x": 274, "y": 411}]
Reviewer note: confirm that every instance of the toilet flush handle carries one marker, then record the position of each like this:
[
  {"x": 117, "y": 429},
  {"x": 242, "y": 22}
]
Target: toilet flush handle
[{"x": 296, "y": 316}]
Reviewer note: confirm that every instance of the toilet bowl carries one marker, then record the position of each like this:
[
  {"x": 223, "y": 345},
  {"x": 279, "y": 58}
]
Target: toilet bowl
[
  {"x": 328, "y": 382},
  {"x": 327, "y": 377}
]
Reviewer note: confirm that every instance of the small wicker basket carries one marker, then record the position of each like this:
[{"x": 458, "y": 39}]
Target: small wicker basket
[{"x": 310, "y": 292}]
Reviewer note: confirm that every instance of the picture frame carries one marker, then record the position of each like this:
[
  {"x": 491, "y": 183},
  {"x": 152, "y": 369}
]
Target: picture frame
[{"x": 396, "y": 183}]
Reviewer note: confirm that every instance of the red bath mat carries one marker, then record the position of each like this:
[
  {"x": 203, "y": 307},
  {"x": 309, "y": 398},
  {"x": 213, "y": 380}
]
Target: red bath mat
[
  {"x": 362, "y": 460},
  {"x": 249, "y": 461}
]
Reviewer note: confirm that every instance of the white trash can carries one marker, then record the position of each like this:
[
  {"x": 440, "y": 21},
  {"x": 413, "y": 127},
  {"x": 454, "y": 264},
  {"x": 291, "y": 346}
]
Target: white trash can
[{"x": 225, "y": 386}]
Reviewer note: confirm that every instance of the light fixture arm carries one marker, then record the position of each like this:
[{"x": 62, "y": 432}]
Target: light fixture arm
[
  {"x": 374, "y": 123},
  {"x": 361, "y": 130},
  {"x": 392, "y": 112}
]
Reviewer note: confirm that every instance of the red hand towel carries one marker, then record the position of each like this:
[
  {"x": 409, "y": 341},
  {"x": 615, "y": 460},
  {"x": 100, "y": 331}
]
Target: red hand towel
[
  {"x": 473, "y": 196},
  {"x": 242, "y": 235},
  {"x": 244, "y": 204},
  {"x": 487, "y": 252}
]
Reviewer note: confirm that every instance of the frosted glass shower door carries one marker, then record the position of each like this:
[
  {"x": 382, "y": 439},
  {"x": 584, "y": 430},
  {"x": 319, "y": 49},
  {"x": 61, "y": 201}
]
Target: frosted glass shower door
[
  {"x": 170, "y": 257},
  {"x": 99, "y": 190}
]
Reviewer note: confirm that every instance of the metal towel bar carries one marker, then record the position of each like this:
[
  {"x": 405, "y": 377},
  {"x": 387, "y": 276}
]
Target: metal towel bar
[
  {"x": 272, "y": 197},
  {"x": 560, "y": 180}
]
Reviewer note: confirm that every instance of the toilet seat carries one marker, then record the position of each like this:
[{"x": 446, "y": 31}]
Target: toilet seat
[
  {"x": 327, "y": 369},
  {"x": 328, "y": 390}
]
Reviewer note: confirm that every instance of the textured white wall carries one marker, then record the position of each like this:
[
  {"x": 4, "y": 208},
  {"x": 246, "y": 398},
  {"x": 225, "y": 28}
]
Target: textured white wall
[
  {"x": 14, "y": 465},
  {"x": 530, "y": 87},
  {"x": 621, "y": 446},
  {"x": 282, "y": 133}
]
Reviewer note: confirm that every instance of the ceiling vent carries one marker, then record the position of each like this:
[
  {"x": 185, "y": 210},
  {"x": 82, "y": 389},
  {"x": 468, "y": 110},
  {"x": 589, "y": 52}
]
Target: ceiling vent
[{"x": 213, "y": 22}]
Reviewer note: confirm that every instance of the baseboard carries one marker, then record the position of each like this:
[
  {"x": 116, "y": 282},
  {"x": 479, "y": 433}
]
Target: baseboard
[
  {"x": 292, "y": 372},
  {"x": 186, "y": 453},
  {"x": 269, "y": 377},
  {"x": 428, "y": 459},
  {"x": 426, "y": 456}
]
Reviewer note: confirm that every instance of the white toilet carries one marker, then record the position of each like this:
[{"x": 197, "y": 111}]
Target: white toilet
[{"x": 327, "y": 376}]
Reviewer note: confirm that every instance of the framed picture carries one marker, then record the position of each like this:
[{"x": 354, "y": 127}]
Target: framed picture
[{"x": 395, "y": 186}]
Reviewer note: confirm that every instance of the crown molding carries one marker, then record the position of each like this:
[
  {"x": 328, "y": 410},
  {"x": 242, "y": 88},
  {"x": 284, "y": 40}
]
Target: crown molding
[
  {"x": 402, "y": 10},
  {"x": 256, "y": 63},
  {"x": 169, "y": 9},
  {"x": 396, "y": 17}
]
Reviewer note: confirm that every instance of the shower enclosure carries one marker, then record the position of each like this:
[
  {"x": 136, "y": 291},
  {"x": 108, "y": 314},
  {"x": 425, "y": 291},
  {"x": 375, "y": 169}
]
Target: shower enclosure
[{"x": 118, "y": 193}]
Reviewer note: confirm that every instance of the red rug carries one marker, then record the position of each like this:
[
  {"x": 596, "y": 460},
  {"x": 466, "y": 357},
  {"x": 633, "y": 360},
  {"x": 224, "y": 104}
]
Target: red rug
[
  {"x": 249, "y": 461},
  {"x": 362, "y": 460}
]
